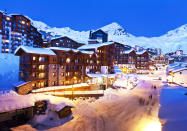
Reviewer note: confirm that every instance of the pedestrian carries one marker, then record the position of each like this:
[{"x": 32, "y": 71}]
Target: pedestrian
[{"x": 150, "y": 97}]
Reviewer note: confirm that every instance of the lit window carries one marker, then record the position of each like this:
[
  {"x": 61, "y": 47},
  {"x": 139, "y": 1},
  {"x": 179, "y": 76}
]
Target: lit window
[
  {"x": 34, "y": 74},
  {"x": 41, "y": 75},
  {"x": 42, "y": 84},
  {"x": 54, "y": 66},
  {"x": 68, "y": 60},
  {"x": 22, "y": 22},
  {"x": 34, "y": 66},
  {"x": 34, "y": 85},
  {"x": 41, "y": 67},
  {"x": 98, "y": 62},
  {"x": 7, "y": 41},
  {"x": 62, "y": 74},
  {"x": 21, "y": 74},
  {"x": 54, "y": 74},
  {"x": 7, "y": 18},
  {"x": 7, "y": 50},
  {"x": 53, "y": 83},
  {"x": 41, "y": 59},
  {"x": 33, "y": 58}
]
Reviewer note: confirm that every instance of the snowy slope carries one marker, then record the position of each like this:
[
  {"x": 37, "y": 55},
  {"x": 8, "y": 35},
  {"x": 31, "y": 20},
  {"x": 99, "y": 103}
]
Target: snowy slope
[
  {"x": 170, "y": 42},
  {"x": 9, "y": 69}
]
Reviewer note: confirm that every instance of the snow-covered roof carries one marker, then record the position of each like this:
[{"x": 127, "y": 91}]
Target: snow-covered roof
[
  {"x": 13, "y": 102},
  {"x": 94, "y": 46},
  {"x": 20, "y": 83},
  {"x": 140, "y": 52},
  {"x": 97, "y": 75},
  {"x": 60, "y": 87},
  {"x": 76, "y": 40},
  {"x": 31, "y": 50},
  {"x": 128, "y": 51},
  {"x": 70, "y": 49},
  {"x": 179, "y": 68}
]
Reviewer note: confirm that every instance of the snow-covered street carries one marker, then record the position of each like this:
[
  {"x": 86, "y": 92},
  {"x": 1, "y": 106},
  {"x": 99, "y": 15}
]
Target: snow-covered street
[{"x": 119, "y": 110}]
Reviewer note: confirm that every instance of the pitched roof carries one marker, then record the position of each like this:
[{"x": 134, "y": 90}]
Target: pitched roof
[
  {"x": 94, "y": 46},
  {"x": 128, "y": 51},
  {"x": 69, "y": 49},
  {"x": 140, "y": 52},
  {"x": 31, "y": 50}
]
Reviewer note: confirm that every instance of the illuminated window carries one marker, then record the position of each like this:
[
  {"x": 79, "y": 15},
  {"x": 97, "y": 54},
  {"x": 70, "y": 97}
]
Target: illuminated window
[
  {"x": 41, "y": 59},
  {"x": 7, "y": 50},
  {"x": 33, "y": 58},
  {"x": 7, "y": 18},
  {"x": 34, "y": 66},
  {"x": 98, "y": 62},
  {"x": 42, "y": 84},
  {"x": 22, "y": 22},
  {"x": 7, "y": 41},
  {"x": 54, "y": 74},
  {"x": 41, "y": 75},
  {"x": 22, "y": 74},
  {"x": 41, "y": 67},
  {"x": 53, "y": 83},
  {"x": 54, "y": 66},
  {"x": 34, "y": 74},
  {"x": 68, "y": 60},
  {"x": 34, "y": 85}
]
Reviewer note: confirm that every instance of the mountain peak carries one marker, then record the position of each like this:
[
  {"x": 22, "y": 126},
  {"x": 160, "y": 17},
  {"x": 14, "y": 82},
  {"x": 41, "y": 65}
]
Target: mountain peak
[{"x": 114, "y": 29}]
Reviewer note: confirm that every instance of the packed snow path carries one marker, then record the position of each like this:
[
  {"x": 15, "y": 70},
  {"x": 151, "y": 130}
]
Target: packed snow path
[{"x": 121, "y": 110}]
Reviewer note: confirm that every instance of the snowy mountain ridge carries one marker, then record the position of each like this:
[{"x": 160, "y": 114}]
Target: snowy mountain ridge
[{"x": 169, "y": 42}]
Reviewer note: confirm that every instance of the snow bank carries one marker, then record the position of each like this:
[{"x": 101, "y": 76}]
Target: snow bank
[
  {"x": 13, "y": 102},
  {"x": 9, "y": 71}
]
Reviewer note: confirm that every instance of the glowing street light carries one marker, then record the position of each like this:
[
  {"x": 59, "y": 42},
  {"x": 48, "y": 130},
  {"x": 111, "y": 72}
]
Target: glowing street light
[{"x": 147, "y": 124}]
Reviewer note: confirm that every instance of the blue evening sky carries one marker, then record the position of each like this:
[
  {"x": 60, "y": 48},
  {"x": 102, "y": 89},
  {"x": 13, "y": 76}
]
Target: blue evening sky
[{"x": 138, "y": 17}]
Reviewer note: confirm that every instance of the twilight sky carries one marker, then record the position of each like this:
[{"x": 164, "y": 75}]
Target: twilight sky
[{"x": 139, "y": 17}]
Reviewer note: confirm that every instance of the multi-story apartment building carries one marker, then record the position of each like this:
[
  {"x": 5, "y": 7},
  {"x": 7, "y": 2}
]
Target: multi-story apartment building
[
  {"x": 142, "y": 65},
  {"x": 128, "y": 60},
  {"x": 65, "y": 42},
  {"x": 55, "y": 66},
  {"x": 47, "y": 37},
  {"x": 105, "y": 53},
  {"x": 160, "y": 60},
  {"x": 134, "y": 61},
  {"x": 16, "y": 30}
]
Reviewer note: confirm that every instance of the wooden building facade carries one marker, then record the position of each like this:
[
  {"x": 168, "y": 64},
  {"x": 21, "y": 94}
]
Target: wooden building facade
[
  {"x": 55, "y": 66},
  {"x": 65, "y": 42}
]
